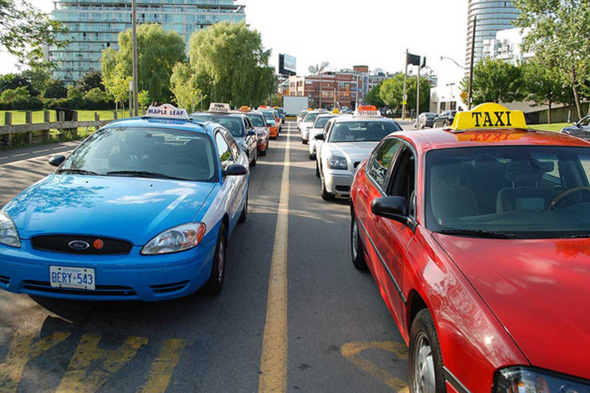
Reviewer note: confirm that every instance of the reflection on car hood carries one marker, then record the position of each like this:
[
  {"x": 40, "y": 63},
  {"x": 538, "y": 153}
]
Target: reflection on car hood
[
  {"x": 539, "y": 291},
  {"x": 355, "y": 151},
  {"x": 134, "y": 209}
]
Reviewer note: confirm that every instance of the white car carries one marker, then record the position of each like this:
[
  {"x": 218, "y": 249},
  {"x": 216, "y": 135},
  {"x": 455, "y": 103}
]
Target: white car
[
  {"x": 347, "y": 142},
  {"x": 307, "y": 122},
  {"x": 317, "y": 128},
  {"x": 300, "y": 116}
]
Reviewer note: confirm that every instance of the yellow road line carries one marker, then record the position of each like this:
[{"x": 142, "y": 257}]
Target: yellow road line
[
  {"x": 164, "y": 365},
  {"x": 273, "y": 362}
]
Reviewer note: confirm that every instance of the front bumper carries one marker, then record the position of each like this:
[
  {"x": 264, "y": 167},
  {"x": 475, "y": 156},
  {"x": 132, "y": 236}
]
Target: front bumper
[
  {"x": 118, "y": 277},
  {"x": 338, "y": 182}
]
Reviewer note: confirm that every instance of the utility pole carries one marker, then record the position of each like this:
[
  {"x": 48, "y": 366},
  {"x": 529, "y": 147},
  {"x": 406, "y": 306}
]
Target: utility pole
[
  {"x": 470, "y": 96},
  {"x": 418, "y": 91},
  {"x": 134, "y": 33},
  {"x": 404, "y": 99}
]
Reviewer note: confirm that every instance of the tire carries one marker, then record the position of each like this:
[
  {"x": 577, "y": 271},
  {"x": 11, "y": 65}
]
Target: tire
[
  {"x": 244, "y": 215},
  {"x": 214, "y": 285},
  {"x": 326, "y": 196},
  {"x": 263, "y": 152},
  {"x": 356, "y": 245},
  {"x": 253, "y": 163},
  {"x": 304, "y": 142},
  {"x": 312, "y": 156},
  {"x": 317, "y": 170},
  {"x": 426, "y": 367}
]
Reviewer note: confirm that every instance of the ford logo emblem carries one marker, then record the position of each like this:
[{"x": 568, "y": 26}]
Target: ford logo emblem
[{"x": 78, "y": 245}]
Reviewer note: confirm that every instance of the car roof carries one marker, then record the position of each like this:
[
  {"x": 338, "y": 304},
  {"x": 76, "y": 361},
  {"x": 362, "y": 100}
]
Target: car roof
[
  {"x": 148, "y": 122},
  {"x": 363, "y": 118},
  {"x": 446, "y": 138}
]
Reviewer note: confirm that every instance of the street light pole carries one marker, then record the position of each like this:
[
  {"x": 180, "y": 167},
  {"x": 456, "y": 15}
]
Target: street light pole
[
  {"x": 404, "y": 98},
  {"x": 134, "y": 38},
  {"x": 451, "y": 99}
]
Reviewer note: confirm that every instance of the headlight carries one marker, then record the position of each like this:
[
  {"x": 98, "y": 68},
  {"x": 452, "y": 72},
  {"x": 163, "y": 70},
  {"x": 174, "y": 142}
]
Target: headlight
[
  {"x": 180, "y": 238},
  {"x": 8, "y": 232},
  {"x": 529, "y": 380},
  {"x": 336, "y": 162}
]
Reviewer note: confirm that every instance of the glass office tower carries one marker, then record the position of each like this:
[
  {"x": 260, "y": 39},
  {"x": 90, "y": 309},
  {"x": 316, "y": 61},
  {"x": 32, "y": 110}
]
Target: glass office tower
[
  {"x": 94, "y": 25},
  {"x": 492, "y": 16}
]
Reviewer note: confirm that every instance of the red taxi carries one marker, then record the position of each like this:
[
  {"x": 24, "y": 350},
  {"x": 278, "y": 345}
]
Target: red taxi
[{"x": 478, "y": 237}]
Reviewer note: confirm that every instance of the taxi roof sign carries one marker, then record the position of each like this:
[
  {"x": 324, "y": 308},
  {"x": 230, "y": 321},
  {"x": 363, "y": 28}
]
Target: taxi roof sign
[
  {"x": 335, "y": 111},
  {"x": 367, "y": 110},
  {"x": 489, "y": 115},
  {"x": 244, "y": 108},
  {"x": 219, "y": 107},
  {"x": 166, "y": 111}
]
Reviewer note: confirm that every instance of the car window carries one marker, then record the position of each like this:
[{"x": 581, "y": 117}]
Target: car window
[
  {"x": 232, "y": 124},
  {"x": 186, "y": 155},
  {"x": 531, "y": 191},
  {"x": 310, "y": 117},
  {"x": 361, "y": 131},
  {"x": 256, "y": 120},
  {"x": 381, "y": 159},
  {"x": 403, "y": 177},
  {"x": 320, "y": 122},
  {"x": 225, "y": 154}
]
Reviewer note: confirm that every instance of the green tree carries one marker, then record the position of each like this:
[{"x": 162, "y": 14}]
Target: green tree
[
  {"x": 495, "y": 81},
  {"x": 560, "y": 38},
  {"x": 91, "y": 80},
  {"x": 231, "y": 64},
  {"x": 55, "y": 89},
  {"x": 392, "y": 92},
  {"x": 96, "y": 99},
  {"x": 24, "y": 29},
  {"x": 38, "y": 77},
  {"x": 158, "y": 52},
  {"x": 14, "y": 81},
  {"x": 185, "y": 87},
  {"x": 115, "y": 83},
  {"x": 544, "y": 85},
  {"x": 143, "y": 100},
  {"x": 374, "y": 98}
]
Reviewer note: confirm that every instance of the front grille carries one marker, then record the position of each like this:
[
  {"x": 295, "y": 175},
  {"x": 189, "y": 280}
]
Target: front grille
[
  {"x": 165, "y": 288},
  {"x": 5, "y": 280},
  {"x": 61, "y": 243},
  {"x": 343, "y": 188},
  {"x": 101, "y": 290}
]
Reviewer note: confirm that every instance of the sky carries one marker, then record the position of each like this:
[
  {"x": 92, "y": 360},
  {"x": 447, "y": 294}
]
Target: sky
[{"x": 345, "y": 33}]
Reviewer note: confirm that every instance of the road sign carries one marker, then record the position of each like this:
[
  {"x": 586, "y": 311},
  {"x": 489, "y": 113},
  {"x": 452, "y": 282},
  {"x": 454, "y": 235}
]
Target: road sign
[{"x": 464, "y": 95}]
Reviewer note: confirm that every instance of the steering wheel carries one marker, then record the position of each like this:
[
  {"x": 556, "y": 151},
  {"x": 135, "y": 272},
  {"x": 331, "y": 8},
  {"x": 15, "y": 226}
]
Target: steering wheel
[
  {"x": 184, "y": 159},
  {"x": 567, "y": 193}
]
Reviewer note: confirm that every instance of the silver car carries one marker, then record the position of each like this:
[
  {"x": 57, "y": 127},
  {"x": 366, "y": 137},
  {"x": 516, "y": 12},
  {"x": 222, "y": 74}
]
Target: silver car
[
  {"x": 318, "y": 128},
  {"x": 581, "y": 128},
  {"x": 307, "y": 122},
  {"x": 347, "y": 142}
]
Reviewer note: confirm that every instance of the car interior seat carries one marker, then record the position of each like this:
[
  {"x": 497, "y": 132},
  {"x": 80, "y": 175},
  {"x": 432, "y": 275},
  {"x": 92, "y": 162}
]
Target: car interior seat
[{"x": 449, "y": 199}]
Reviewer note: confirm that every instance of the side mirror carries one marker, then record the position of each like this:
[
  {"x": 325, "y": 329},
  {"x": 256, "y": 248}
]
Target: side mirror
[
  {"x": 251, "y": 133},
  {"x": 392, "y": 207},
  {"x": 234, "y": 170},
  {"x": 320, "y": 137},
  {"x": 56, "y": 160}
]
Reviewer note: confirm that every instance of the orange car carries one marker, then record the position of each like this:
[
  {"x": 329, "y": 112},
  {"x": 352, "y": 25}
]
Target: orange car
[{"x": 271, "y": 122}]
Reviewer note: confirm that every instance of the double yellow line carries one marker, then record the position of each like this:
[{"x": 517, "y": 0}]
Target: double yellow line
[{"x": 273, "y": 362}]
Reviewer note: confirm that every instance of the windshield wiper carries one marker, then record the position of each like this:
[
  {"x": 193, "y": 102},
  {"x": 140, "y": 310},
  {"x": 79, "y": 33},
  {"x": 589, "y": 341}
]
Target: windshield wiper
[
  {"x": 479, "y": 233},
  {"x": 144, "y": 174},
  {"x": 77, "y": 171},
  {"x": 576, "y": 236}
]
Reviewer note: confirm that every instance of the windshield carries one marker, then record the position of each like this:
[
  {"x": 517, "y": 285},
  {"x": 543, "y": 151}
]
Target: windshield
[
  {"x": 257, "y": 120},
  {"x": 158, "y": 153},
  {"x": 362, "y": 131},
  {"x": 321, "y": 121},
  {"x": 302, "y": 113},
  {"x": 310, "y": 118},
  {"x": 232, "y": 124},
  {"x": 269, "y": 116},
  {"x": 530, "y": 191}
]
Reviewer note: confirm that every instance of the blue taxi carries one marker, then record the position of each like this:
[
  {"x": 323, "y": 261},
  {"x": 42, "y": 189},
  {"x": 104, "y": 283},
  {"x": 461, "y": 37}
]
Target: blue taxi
[{"x": 141, "y": 210}]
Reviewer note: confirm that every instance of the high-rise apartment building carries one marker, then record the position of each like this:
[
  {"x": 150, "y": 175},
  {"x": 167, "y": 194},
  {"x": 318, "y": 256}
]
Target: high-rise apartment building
[
  {"x": 492, "y": 16},
  {"x": 94, "y": 25}
]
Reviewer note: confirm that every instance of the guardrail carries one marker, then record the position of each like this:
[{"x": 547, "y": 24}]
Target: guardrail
[{"x": 40, "y": 132}]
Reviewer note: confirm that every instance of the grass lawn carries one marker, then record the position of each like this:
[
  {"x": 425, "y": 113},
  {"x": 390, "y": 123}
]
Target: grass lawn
[
  {"x": 550, "y": 127},
  {"x": 18, "y": 117}
]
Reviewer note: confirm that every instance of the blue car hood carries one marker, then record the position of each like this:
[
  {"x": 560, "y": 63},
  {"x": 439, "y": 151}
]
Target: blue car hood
[{"x": 133, "y": 209}]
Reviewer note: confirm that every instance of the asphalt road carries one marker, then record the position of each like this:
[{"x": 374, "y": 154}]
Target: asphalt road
[{"x": 294, "y": 315}]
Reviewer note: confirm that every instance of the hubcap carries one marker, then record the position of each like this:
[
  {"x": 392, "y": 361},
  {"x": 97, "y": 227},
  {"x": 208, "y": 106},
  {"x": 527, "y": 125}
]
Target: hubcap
[
  {"x": 221, "y": 261},
  {"x": 354, "y": 238},
  {"x": 424, "y": 378}
]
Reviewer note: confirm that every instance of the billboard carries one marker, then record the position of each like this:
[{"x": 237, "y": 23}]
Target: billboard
[{"x": 287, "y": 65}]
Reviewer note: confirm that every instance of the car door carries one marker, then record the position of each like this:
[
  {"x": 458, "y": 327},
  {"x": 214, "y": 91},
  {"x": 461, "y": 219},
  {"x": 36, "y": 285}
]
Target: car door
[
  {"x": 232, "y": 185},
  {"x": 376, "y": 230},
  {"x": 251, "y": 140}
]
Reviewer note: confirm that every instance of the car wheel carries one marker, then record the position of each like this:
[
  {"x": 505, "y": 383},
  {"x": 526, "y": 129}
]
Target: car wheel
[
  {"x": 244, "y": 215},
  {"x": 311, "y": 156},
  {"x": 356, "y": 246},
  {"x": 263, "y": 152},
  {"x": 214, "y": 285},
  {"x": 426, "y": 368},
  {"x": 326, "y": 196},
  {"x": 253, "y": 163},
  {"x": 317, "y": 169}
]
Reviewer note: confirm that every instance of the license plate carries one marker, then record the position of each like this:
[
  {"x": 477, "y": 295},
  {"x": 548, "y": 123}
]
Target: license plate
[{"x": 71, "y": 277}]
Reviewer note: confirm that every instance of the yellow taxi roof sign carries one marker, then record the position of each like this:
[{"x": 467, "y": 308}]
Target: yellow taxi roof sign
[
  {"x": 244, "y": 108},
  {"x": 336, "y": 111},
  {"x": 486, "y": 116}
]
